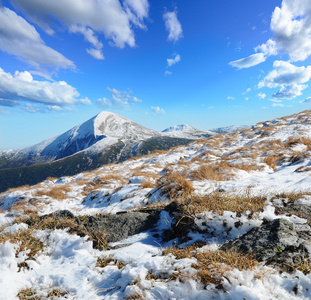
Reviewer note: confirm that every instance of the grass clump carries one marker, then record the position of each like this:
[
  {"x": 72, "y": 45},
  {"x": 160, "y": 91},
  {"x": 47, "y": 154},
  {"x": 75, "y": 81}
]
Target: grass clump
[
  {"x": 213, "y": 266},
  {"x": 58, "y": 192},
  {"x": 220, "y": 202},
  {"x": 175, "y": 184},
  {"x": 25, "y": 239}
]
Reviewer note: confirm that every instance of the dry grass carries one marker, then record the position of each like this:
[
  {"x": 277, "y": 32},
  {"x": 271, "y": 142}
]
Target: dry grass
[
  {"x": 291, "y": 197},
  {"x": 134, "y": 296},
  {"x": 19, "y": 188},
  {"x": 220, "y": 202},
  {"x": 102, "y": 262},
  {"x": 273, "y": 160},
  {"x": 50, "y": 293},
  {"x": 219, "y": 171},
  {"x": 175, "y": 184},
  {"x": 213, "y": 266},
  {"x": 147, "y": 185},
  {"x": 38, "y": 223},
  {"x": 292, "y": 141},
  {"x": 58, "y": 192},
  {"x": 25, "y": 239}
]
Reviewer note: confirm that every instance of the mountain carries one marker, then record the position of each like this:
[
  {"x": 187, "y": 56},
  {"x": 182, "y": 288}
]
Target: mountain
[
  {"x": 105, "y": 138},
  {"x": 187, "y": 131},
  {"x": 101, "y": 131}
]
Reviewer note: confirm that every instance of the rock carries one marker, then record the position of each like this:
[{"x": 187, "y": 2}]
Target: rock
[
  {"x": 120, "y": 226},
  {"x": 267, "y": 240},
  {"x": 116, "y": 227},
  {"x": 279, "y": 243},
  {"x": 299, "y": 210}
]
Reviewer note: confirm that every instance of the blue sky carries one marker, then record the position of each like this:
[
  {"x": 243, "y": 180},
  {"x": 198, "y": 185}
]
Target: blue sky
[{"x": 159, "y": 63}]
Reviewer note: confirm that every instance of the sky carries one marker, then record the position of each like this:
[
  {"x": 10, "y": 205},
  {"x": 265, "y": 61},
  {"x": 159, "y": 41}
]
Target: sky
[{"x": 157, "y": 62}]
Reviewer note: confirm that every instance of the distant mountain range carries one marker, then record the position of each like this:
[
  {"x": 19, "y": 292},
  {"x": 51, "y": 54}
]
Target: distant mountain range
[{"x": 105, "y": 138}]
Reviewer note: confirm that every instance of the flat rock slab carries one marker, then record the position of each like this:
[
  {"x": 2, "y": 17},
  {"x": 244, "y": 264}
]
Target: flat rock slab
[{"x": 116, "y": 226}]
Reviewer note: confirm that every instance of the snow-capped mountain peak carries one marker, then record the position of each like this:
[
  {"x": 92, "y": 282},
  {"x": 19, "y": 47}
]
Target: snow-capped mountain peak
[{"x": 112, "y": 125}]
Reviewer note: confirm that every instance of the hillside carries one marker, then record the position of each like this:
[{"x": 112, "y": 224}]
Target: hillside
[{"x": 226, "y": 217}]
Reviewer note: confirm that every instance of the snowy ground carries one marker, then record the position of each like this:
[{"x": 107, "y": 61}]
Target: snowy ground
[{"x": 268, "y": 159}]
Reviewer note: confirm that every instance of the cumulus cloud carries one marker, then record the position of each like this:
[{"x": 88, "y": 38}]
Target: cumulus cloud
[
  {"x": 262, "y": 95},
  {"x": 285, "y": 73},
  {"x": 21, "y": 87},
  {"x": 157, "y": 110},
  {"x": 249, "y": 61},
  {"x": 173, "y": 26},
  {"x": 19, "y": 38},
  {"x": 277, "y": 105},
  {"x": 288, "y": 78},
  {"x": 289, "y": 91},
  {"x": 173, "y": 61},
  {"x": 118, "y": 98},
  {"x": 230, "y": 98},
  {"x": 87, "y": 17},
  {"x": 168, "y": 73},
  {"x": 96, "y": 53},
  {"x": 291, "y": 27},
  {"x": 291, "y": 24}
]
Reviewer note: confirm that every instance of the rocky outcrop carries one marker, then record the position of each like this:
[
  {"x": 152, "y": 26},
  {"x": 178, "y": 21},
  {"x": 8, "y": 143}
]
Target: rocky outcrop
[
  {"x": 279, "y": 243},
  {"x": 116, "y": 227}
]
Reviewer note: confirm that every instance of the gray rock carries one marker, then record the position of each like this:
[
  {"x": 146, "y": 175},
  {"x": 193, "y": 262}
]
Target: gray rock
[
  {"x": 267, "y": 240},
  {"x": 120, "y": 226},
  {"x": 116, "y": 227},
  {"x": 299, "y": 210},
  {"x": 278, "y": 243}
]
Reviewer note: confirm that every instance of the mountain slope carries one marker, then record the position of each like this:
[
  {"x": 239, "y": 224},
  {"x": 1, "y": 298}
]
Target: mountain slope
[{"x": 187, "y": 131}]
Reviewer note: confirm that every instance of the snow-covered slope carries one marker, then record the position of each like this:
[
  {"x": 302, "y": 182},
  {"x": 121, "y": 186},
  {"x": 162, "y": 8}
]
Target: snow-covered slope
[
  {"x": 105, "y": 125},
  {"x": 228, "y": 129},
  {"x": 186, "y": 131},
  {"x": 210, "y": 192}
]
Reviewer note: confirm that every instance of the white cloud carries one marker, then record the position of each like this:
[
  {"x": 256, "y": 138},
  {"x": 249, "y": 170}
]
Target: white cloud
[
  {"x": 285, "y": 73},
  {"x": 249, "y": 61},
  {"x": 168, "y": 73},
  {"x": 96, "y": 53},
  {"x": 22, "y": 87},
  {"x": 268, "y": 48},
  {"x": 246, "y": 98},
  {"x": 173, "y": 26},
  {"x": 19, "y": 38},
  {"x": 230, "y": 98},
  {"x": 157, "y": 110},
  {"x": 108, "y": 17},
  {"x": 173, "y": 61},
  {"x": 262, "y": 95},
  {"x": 247, "y": 91},
  {"x": 305, "y": 100},
  {"x": 277, "y": 105},
  {"x": 118, "y": 98},
  {"x": 291, "y": 24},
  {"x": 289, "y": 91}
]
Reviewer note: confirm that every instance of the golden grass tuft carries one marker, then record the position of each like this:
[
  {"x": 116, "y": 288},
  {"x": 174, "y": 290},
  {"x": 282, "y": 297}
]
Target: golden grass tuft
[
  {"x": 273, "y": 160},
  {"x": 58, "y": 192},
  {"x": 25, "y": 239},
  {"x": 220, "y": 202},
  {"x": 219, "y": 171},
  {"x": 213, "y": 266},
  {"x": 174, "y": 184}
]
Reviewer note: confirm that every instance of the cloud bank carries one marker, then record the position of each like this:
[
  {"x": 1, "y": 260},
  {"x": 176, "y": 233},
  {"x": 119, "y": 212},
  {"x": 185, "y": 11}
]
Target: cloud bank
[{"x": 21, "y": 88}]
